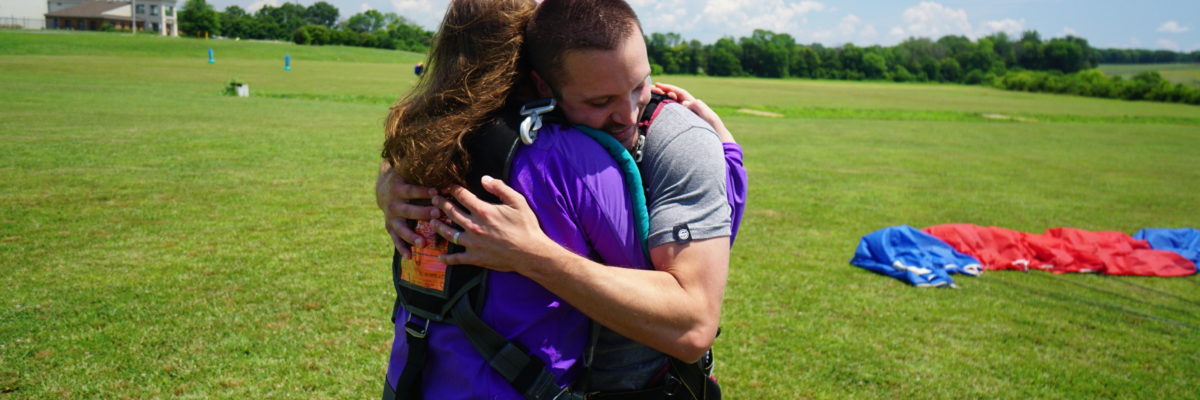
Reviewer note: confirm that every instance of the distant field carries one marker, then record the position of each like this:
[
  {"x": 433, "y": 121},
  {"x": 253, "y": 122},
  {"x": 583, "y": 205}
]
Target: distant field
[
  {"x": 1188, "y": 74},
  {"x": 160, "y": 240}
]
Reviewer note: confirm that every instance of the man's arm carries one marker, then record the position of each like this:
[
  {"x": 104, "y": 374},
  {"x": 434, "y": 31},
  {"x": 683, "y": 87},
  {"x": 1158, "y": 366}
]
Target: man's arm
[{"x": 674, "y": 308}]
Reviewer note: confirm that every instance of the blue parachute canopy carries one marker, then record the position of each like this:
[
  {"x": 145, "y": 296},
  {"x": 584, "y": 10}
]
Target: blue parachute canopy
[
  {"x": 1185, "y": 241},
  {"x": 912, "y": 256}
]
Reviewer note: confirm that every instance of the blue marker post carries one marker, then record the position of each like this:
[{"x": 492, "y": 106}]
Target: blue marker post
[
  {"x": 210, "y": 57},
  {"x": 287, "y": 62}
]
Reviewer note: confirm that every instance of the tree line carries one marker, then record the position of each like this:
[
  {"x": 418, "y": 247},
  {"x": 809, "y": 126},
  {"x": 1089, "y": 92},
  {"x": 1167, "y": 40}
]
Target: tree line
[
  {"x": 317, "y": 24},
  {"x": 1143, "y": 56},
  {"x": 1058, "y": 65},
  {"x": 1027, "y": 62}
]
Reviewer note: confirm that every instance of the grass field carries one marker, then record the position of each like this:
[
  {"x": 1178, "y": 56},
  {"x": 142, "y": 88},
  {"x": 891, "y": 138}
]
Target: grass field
[
  {"x": 159, "y": 240},
  {"x": 1187, "y": 74}
]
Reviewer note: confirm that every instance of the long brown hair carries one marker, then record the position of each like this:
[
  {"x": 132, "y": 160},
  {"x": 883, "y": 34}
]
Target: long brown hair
[{"x": 473, "y": 66}]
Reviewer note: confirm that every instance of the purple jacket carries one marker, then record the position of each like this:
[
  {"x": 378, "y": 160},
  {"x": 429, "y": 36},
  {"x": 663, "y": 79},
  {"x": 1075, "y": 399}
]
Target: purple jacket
[{"x": 576, "y": 190}]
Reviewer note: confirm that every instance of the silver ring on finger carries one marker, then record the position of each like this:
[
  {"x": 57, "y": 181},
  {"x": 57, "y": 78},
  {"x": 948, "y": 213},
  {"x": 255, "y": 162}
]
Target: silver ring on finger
[{"x": 454, "y": 239}]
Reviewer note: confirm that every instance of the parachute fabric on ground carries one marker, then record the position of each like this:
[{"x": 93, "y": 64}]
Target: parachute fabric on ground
[
  {"x": 1063, "y": 250},
  {"x": 928, "y": 257},
  {"x": 1185, "y": 241},
  {"x": 912, "y": 256}
]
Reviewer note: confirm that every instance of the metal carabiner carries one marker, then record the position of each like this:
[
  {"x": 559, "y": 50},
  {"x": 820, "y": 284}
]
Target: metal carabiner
[{"x": 533, "y": 118}]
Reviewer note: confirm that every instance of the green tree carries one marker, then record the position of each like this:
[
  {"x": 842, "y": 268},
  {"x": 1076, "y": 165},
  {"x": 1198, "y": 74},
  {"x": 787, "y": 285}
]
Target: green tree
[
  {"x": 1029, "y": 51},
  {"x": 950, "y": 70},
  {"x": 767, "y": 53},
  {"x": 366, "y": 21},
  {"x": 805, "y": 62},
  {"x": 321, "y": 13},
  {"x": 725, "y": 58},
  {"x": 874, "y": 66},
  {"x": 197, "y": 17},
  {"x": 404, "y": 35},
  {"x": 236, "y": 23}
]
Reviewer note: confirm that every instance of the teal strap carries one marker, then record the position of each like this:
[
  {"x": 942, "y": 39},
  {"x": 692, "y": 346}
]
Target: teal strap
[{"x": 633, "y": 182}]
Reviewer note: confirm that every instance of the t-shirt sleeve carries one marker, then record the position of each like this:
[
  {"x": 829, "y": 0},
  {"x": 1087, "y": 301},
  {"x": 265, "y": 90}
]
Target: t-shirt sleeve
[
  {"x": 685, "y": 171},
  {"x": 736, "y": 186}
]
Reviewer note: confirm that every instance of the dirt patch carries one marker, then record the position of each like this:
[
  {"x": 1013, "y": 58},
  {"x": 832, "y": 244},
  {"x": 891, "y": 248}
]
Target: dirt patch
[
  {"x": 1007, "y": 117},
  {"x": 760, "y": 113}
]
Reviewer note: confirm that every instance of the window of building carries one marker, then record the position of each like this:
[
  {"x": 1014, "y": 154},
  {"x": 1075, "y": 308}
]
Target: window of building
[
  {"x": 170, "y": 11},
  {"x": 141, "y": 8},
  {"x": 153, "y": 9}
]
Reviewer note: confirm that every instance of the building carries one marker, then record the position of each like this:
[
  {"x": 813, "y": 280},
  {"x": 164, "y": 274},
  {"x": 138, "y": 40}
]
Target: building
[{"x": 150, "y": 15}]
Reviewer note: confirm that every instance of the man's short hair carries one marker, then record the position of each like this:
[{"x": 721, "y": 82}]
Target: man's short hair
[{"x": 562, "y": 26}]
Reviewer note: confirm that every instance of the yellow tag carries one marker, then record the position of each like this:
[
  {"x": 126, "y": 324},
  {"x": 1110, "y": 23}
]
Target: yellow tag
[{"x": 424, "y": 269}]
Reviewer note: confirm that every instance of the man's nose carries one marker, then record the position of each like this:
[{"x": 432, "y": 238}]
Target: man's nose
[{"x": 626, "y": 112}]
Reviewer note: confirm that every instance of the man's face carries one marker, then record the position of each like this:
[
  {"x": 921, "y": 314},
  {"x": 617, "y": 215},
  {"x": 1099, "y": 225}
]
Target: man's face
[{"x": 607, "y": 89}]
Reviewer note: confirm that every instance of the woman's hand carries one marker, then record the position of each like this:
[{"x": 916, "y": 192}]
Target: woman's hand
[
  {"x": 394, "y": 196},
  {"x": 502, "y": 237},
  {"x": 697, "y": 106}
]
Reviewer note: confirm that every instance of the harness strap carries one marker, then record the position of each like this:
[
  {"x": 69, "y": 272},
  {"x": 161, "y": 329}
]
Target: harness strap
[
  {"x": 409, "y": 382},
  {"x": 527, "y": 374}
]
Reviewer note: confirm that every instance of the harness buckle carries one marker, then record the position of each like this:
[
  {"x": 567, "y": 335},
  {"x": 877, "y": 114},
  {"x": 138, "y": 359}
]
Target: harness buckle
[
  {"x": 533, "y": 118},
  {"x": 412, "y": 327}
]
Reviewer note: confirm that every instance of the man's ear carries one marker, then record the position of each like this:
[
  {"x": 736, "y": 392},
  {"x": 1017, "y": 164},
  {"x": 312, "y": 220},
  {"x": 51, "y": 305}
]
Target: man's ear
[{"x": 543, "y": 88}]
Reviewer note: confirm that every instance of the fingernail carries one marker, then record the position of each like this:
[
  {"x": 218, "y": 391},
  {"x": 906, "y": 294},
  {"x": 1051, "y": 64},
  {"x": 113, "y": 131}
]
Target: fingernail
[
  {"x": 419, "y": 242},
  {"x": 487, "y": 178}
]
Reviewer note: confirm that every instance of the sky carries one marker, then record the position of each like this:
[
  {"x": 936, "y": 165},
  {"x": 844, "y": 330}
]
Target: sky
[{"x": 1149, "y": 24}]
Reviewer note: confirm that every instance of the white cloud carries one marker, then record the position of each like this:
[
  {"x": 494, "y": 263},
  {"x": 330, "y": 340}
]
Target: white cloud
[
  {"x": 1008, "y": 25},
  {"x": 933, "y": 20},
  {"x": 424, "y": 12},
  {"x": 258, "y": 4},
  {"x": 1173, "y": 27},
  {"x": 365, "y": 7},
  {"x": 868, "y": 32},
  {"x": 665, "y": 15},
  {"x": 851, "y": 26},
  {"x": 739, "y": 17},
  {"x": 1168, "y": 44},
  {"x": 1069, "y": 31}
]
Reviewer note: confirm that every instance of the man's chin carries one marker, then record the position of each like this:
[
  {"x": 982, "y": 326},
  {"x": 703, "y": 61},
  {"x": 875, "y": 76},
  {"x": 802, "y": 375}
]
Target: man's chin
[{"x": 627, "y": 137}]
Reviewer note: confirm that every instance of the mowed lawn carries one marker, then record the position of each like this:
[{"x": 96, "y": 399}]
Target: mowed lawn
[{"x": 159, "y": 240}]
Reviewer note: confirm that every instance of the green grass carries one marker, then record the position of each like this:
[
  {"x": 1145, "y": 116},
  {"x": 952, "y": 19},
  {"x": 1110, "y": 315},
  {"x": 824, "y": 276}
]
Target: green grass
[
  {"x": 1187, "y": 74},
  {"x": 160, "y": 240}
]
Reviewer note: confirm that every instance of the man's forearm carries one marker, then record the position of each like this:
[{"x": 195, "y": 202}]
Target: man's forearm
[{"x": 674, "y": 309}]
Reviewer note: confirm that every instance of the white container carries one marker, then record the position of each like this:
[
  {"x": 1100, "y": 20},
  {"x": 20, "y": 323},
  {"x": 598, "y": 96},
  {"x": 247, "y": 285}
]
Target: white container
[{"x": 243, "y": 90}]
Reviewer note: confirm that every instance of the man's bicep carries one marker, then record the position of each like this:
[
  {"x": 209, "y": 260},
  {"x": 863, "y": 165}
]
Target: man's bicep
[
  {"x": 702, "y": 264},
  {"x": 701, "y": 268}
]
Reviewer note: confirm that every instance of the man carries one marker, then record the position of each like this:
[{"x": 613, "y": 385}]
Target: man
[{"x": 673, "y": 308}]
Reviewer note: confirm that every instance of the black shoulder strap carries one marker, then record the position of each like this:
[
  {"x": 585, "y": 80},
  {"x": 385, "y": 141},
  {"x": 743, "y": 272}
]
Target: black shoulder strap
[{"x": 651, "y": 111}]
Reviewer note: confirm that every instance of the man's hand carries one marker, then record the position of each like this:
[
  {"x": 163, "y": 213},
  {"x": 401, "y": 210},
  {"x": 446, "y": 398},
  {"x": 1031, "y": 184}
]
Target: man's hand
[
  {"x": 501, "y": 237},
  {"x": 393, "y": 195},
  {"x": 697, "y": 106}
]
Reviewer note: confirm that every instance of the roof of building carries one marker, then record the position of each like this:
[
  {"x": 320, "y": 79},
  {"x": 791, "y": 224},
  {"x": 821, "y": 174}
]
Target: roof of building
[{"x": 93, "y": 9}]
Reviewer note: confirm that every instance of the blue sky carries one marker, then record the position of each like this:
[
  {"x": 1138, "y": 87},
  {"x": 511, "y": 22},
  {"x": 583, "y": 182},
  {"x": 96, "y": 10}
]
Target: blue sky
[{"x": 1153, "y": 24}]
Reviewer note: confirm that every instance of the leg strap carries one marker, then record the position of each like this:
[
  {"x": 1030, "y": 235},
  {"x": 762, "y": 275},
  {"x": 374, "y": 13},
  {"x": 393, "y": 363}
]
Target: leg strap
[
  {"x": 526, "y": 373},
  {"x": 409, "y": 384}
]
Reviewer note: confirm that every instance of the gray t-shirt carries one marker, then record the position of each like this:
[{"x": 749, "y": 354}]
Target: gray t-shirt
[{"x": 684, "y": 167}]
